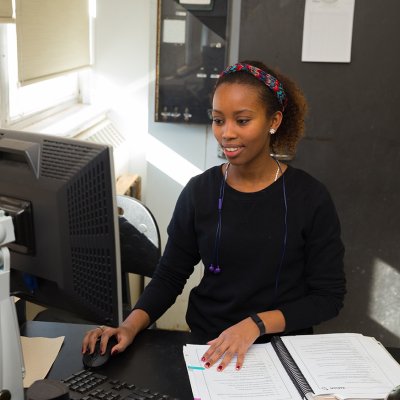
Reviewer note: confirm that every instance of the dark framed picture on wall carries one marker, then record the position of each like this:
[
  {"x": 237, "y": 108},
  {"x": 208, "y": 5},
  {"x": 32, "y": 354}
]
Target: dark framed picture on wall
[{"x": 191, "y": 51}]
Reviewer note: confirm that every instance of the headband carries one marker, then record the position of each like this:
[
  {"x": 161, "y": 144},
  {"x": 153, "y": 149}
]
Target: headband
[{"x": 270, "y": 81}]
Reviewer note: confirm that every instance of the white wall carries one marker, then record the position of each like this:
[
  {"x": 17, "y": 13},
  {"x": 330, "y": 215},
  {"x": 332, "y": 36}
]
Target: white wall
[
  {"x": 121, "y": 72},
  {"x": 125, "y": 60}
]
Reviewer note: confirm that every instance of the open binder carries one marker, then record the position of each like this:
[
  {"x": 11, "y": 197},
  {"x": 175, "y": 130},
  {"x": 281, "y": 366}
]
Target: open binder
[{"x": 342, "y": 366}]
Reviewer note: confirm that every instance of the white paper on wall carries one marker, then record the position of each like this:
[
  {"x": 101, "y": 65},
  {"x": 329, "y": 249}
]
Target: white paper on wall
[
  {"x": 328, "y": 29},
  {"x": 174, "y": 31}
]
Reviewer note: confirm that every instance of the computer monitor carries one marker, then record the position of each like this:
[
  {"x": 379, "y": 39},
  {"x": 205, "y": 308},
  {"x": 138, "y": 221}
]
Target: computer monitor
[{"x": 61, "y": 196}]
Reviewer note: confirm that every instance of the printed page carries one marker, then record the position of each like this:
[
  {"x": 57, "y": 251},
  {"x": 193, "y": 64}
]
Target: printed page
[
  {"x": 262, "y": 376},
  {"x": 347, "y": 365}
]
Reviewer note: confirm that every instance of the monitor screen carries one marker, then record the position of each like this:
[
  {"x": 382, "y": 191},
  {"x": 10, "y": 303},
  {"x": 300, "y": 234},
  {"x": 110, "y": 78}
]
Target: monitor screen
[{"x": 60, "y": 194}]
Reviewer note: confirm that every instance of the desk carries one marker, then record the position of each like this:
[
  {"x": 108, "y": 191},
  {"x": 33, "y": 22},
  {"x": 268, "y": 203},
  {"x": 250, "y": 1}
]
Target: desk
[{"x": 154, "y": 360}]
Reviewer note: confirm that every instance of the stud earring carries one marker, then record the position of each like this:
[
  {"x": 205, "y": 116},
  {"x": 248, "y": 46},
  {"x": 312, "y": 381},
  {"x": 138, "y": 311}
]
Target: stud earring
[{"x": 272, "y": 131}]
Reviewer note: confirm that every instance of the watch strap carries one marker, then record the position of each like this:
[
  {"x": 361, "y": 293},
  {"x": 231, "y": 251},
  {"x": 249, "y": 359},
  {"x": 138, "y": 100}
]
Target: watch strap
[{"x": 259, "y": 322}]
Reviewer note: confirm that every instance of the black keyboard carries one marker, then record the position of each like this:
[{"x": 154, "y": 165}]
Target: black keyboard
[{"x": 89, "y": 385}]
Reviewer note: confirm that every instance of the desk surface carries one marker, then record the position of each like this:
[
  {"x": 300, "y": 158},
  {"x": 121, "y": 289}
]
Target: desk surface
[{"x": 154, "y": 360}]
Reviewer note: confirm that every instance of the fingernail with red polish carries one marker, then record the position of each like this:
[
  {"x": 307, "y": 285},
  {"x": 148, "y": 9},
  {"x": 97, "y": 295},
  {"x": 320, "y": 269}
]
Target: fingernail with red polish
[
  {"x": 114, "y": 353},
  {"x": 219, "y": 369},
  {"x": 207, "y": 365},
  {"x": 238, "y": 367},
  {"x": 203, "y": 359}
]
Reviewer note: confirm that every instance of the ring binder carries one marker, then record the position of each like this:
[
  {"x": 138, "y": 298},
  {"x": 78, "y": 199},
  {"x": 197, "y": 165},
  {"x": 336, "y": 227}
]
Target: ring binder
[{"x": 291, "y": 368}]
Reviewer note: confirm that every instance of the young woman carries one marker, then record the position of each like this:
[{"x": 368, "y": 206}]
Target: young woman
[{"x": 267, "y": 233}]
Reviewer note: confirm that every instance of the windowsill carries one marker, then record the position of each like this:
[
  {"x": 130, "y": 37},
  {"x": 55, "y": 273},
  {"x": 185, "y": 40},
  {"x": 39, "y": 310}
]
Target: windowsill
[{"x": 68, "y": 122}]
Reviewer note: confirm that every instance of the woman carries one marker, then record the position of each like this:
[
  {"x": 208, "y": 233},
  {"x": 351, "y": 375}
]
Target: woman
[{"x": 267, "y": 233}]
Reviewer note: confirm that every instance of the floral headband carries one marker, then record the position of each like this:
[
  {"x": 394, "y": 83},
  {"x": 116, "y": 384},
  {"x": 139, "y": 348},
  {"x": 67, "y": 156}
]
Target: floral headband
[{"x": 270, "y": 81}]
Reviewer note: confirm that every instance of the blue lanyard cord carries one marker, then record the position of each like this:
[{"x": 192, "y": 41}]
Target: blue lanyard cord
[
  {"x": 219, "y": 224},
  {"x": 215, "y": 268},
  {"x": 278, "y": 273}
]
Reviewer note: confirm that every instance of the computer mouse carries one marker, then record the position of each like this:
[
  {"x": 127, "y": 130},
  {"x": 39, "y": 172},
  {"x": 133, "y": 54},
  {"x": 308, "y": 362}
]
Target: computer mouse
[
  {"x": 96, "y": 360},
  {"x": 394, "y": 394}
]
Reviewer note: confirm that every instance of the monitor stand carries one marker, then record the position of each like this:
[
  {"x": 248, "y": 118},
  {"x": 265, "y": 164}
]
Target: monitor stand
[{"x": 11, "y": 359}]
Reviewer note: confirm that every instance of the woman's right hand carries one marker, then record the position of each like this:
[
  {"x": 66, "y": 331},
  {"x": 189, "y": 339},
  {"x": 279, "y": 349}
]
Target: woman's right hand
[
  {"x": 136, "y": 321},
  {"x": 123, "y": 334}
]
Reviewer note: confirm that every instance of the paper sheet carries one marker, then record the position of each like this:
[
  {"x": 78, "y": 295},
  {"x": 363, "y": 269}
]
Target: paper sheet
[
  {"x": 328, "y": 30},
  {"x": 349, "y": 365},
  {"x": 196, "y": 2},
  {"x": 174, "y": 31},
  {"x": 39, "y": 355},
  {"x": 251, "y": 382}
]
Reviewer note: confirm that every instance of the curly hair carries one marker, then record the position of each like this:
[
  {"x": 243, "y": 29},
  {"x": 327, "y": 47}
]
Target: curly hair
[{"x": 291, "y": 130}]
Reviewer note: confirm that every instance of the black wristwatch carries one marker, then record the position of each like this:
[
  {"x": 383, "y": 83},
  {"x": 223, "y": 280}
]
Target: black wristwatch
[{"x": 258, "y": 321}]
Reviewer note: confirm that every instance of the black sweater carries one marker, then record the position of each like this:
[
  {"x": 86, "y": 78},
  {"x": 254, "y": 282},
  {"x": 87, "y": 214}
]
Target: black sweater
[{"x": 308, "y": 287}]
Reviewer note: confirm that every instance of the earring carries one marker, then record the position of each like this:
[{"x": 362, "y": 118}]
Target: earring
[{"x": 272, "y": 131}]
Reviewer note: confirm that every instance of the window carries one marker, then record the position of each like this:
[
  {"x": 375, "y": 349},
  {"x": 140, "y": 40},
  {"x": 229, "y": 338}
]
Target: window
[{"x": 48, "y": 91}]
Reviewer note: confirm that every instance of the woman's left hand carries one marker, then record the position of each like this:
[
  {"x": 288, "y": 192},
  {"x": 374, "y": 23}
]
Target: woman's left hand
[{"x": 235, "y": 340}]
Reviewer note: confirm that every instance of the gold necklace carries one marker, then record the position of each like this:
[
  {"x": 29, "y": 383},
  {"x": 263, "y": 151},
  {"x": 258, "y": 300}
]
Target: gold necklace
[
  {"x": 276, "y": 174},
  {"x": 277, "y": 170}
]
